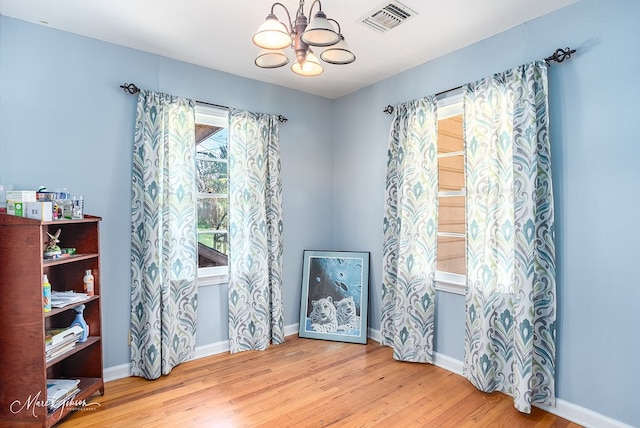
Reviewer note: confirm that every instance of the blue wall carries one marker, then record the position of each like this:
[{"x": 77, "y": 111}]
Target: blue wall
[
  {"x": 65, "y": 123},
  {"x": 596, "y": 177}
]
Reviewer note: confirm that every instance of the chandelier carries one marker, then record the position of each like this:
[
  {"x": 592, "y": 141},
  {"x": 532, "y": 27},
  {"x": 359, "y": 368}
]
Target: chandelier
[{"x": 273, "y": 36}]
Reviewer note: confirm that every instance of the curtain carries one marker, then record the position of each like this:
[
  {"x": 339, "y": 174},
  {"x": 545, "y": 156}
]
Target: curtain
[
  {"x": 163, "y": 235},
  {"x": 410, "y": 232},
  {"x": 510, "y": 301},
  {"x": 255, "y": 232}
]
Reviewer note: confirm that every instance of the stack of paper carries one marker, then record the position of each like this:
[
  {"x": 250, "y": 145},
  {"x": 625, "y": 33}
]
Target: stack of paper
[
  {"x": 60, "y": 299},
  {"x": 60, "y": 340},
  {"x": 59, "y": 391}
]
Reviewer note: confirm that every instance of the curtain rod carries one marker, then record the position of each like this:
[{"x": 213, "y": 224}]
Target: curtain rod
[
  {"x": 133, "y": 89},
  {"x": 558, "y": 56}
]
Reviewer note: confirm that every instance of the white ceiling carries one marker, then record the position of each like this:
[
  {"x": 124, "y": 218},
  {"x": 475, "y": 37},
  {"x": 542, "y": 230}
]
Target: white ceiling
[{"x": 217, "y": 33}]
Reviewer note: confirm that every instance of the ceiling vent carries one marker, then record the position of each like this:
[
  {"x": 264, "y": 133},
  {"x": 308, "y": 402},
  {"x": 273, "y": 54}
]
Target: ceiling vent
[{"x": 389, "y": 15}]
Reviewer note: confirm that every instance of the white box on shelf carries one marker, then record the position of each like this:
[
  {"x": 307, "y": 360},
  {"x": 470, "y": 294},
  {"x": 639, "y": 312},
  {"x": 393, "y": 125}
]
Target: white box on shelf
[
  {"x": 21, "y": 195},
  {"x": 39, "y": 210}
]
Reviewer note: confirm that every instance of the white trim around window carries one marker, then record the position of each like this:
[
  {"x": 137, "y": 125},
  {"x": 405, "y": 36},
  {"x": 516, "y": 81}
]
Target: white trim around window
[
  {"x": 213, "y": 116},
  {"x": 451, "y": 282},
  {"x": 213, "y": 276},
  {"x": 450, "y": 105}
]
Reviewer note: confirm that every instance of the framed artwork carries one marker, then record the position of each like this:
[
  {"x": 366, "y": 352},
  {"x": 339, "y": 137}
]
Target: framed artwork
[{"x": 335, "y": 293}]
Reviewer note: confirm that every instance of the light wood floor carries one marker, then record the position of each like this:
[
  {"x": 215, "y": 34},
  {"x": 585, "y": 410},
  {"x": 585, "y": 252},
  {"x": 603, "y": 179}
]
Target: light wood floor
[{"x": 305, "y": 383}]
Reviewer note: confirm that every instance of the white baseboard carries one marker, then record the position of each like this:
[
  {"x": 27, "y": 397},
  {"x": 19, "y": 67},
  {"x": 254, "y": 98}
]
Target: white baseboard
[
  {"x": 291, "y": 329},
  {"x": 441, "y": 360},
  {"x": 211, "y": 349},
  {"x": 448, "y": 363},
  {"x": 374, "y": 334},
  {"x": 122, "y": 371},
  {"x": 116, "y": 372},
  {"x": 581, "y": 415},
  {"x": 564, "y": 409}
]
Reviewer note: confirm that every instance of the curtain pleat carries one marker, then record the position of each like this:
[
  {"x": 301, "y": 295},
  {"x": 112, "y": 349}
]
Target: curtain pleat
[
  {"x": 410, "y": 232},
  {"x": 255, "y": 237},
  {"x": 163, "y": 235},
  {"x": 510, "y": 299}
]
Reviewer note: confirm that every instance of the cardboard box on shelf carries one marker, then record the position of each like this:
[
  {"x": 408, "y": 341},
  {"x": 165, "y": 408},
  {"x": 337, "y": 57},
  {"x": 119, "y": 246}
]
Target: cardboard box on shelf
[
  {"x": 39, "y": 210},
  {"x": 21, "y": 195}
]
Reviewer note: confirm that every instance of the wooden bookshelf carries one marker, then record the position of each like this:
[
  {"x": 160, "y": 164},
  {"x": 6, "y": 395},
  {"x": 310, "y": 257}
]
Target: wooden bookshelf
[{"x": 23, "y": 367}]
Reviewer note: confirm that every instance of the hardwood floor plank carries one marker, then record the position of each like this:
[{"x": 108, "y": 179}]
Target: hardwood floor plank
[{"x": 305, "y": 383}]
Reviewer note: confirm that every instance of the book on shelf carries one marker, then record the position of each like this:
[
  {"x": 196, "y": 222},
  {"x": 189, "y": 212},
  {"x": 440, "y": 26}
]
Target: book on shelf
[
  {"x": 59, "y": 336},
  {"x": 60, "y": 299},
  {"x": 61, "y": 340},
  {"x": 55, "y": 353},
  {"x": 59, "y": 391}
]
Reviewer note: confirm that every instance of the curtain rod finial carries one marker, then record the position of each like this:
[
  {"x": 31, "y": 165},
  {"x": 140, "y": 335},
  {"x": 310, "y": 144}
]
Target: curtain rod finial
[
  {"x": 130, "y": 87},
  {"x": 560, "y": 55}
]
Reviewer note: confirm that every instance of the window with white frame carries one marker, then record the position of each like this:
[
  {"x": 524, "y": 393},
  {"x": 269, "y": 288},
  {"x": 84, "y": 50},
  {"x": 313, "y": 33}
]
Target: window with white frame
[
  {"x": 451, "y": 266},
  {"x": 213, "y": 194}
]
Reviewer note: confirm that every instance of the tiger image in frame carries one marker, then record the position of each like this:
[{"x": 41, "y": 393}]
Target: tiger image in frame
[
  {"x": 324, "y": 315},
  {"x": 346, "y": 313}
]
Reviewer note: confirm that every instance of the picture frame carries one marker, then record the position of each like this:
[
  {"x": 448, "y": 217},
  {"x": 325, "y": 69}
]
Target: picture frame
[{"x": 335, "y": 296}]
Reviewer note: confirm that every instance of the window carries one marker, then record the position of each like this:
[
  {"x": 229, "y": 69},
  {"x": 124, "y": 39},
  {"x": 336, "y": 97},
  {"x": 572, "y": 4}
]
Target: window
[
  {"x": 451, "y": 259},
  {"x": 213, "y": 194}
]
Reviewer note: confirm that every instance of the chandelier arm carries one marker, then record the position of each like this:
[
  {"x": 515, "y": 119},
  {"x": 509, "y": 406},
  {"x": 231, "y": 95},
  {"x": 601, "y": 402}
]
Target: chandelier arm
[
  {"x": 289, "y": 21},
  {"x": 339, "y": 30},
  {"x": 311, "y": 8}
]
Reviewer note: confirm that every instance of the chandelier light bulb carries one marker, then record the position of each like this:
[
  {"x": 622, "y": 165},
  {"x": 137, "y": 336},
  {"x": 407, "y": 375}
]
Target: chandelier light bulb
[
  {"x": 272, "y": 34},
  {"x": 320, "y": 32},
  {"x": 271, "y": 58},
  {"x": 309, "y": 67},
  {"x": 339, "y": 53}
]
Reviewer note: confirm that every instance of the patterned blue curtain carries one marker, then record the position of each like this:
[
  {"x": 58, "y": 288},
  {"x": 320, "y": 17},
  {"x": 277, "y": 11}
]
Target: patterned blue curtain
[
  {"x": 410, "y": 232},
  {"x": 255, "y": 232},
  {"x": 163, "y": 235},
  {"x": 511, "y": 300}
]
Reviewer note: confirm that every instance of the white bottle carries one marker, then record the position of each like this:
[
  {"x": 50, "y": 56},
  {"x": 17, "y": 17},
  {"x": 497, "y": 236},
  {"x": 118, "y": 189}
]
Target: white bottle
[
  {"x": 3, "y": 198},
  {"x": 88, "y": 282}
]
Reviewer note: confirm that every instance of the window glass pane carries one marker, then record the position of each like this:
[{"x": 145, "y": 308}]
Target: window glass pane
[
  {"x": 451, "y": 172},
  {"x": 451, "y": 214},
  {"x": 451, "y": 202},
  {"x": 450, "y": 135},
  {"x": 212, "y": 176},
  {"x": 213, "y": 249},
  {"x": 451, "y": 255},
  {"x": 213, "y": 186},
  {"x": 213, "y": 213},
  {"x": 215, "y": 143}
]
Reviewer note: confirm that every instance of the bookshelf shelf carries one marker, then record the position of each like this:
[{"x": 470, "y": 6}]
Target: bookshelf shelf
[
  {"x": 56, "y": 311},
  {"x": 24, "y": 370},
  {"x": 88, "y": 386},
  {"x": 91, "y": 340},
  {"x": 70, "y": 259}
]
